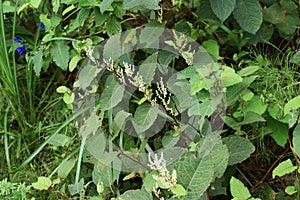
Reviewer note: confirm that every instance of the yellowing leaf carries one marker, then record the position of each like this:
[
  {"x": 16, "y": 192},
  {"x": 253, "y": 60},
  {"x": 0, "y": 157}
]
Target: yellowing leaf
[{"x": 43, "y": 183}]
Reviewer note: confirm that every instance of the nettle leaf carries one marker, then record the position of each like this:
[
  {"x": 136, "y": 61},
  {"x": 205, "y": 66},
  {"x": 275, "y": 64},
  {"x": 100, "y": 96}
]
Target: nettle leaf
[
  {"x": 144, "y": 117},
  {"x": 135, "y": 195},
  {"x": 195, "y": 175},
  {"x": 220, "y": 157},
  {"x": 113, "y": 26},
  {"x": 60, "y": 54},
  {"x": 212, "y": 46},
  {"x": 105, "y": 5},
  {"x": 112, "y": 94},
  {"x": 296, "y": 139},
  {"x": 238, "y": 190},
  {"x": 222, "y": 8},
  {"x": 38, "y": 62},
  {"x": 43, "y": 183},
  {"x": 284, "y": 168},
  {"x": 292, "y": 104},
  {"x": 248, "y": 14},
  {"x": 239, "y": 149},
  {"x": 150, "y": 4}
]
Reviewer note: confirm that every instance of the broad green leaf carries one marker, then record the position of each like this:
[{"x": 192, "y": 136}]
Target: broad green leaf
[
  {"x": 76, "y": 188},
  {"x": 60, "y": 54},
  {"x": 248, "y": 14},
  {"x": 135, "y": 195},
  {"x": 292, "y": 104},
  {"x": 233, "y": 93},
  {"x": 296, "y": 139},
  {"x": 35, "y": 3},
  {"x": 144, "y": 117},
  {"x": 66, "y": 168},
  {"x": 95, "y": 145},
  {"x": 43, "y": 183},
  {"x": 212, "y": 46},
  {"x": 119, "y": 122},
  {"x": 296, "y": 58},
  {"x": 90, "y": 126},
  {"x": 55, "y": 5},
  {"x": 69, "y": 98},
  {"x": 238, "y": 189},
  {"x": 112, "y": 48},
  {"x": 107, "y": 172},
  {"x": 251, "y": 117},
  {"x": 73, "y": 62},
  {"x": 112, "y": 94},
  {"x": 38, "y": 62},
  {"x": 60, "y": 140},
  {"x": 44, "y": 19},
  {"x": 280, "y": 131},
  {"x": 151, "y": 32},
  {"x": 222, "y": 8},
  {"x": 149, "y": 182},
  {"x": 63, "y": 89},
  {"x": 83, "y": 14},
  {"x": 248, "y": 70},
  {"x": 178, "y": 190},
  {"x": 290, "y": 190},
  {"x": 255, "y": 105},
  {"x": 105, "y": 4},
  {"x": 87, "y": 75},
  {"x": 284, "y": 168},
  {"x": 147, "y": 69},
  {"x": 113, "y": 26},
  {"x": 239, "y": 149},
  {"x": 229, "y": 77},
  {"x": 195, "y": 174},
  {"x": 220, "y": 157},
  {"x": 149, "y": 4}
]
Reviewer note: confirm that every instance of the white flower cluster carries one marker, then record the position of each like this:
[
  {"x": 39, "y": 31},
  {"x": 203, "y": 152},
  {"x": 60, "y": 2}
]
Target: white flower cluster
[
  {"x": 164, "y": 176},
  {"x": 162, "y": 94}
]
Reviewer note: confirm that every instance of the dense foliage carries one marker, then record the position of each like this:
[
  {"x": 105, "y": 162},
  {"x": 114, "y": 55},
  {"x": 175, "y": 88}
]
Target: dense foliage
[{"x": 152, "y": 99}]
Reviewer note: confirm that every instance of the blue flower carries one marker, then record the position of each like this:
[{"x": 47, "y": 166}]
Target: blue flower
[
  {"x": 21, "y": 50},
  {"x": 17, "y": 40},
  {"x": 42, "y": 25}
]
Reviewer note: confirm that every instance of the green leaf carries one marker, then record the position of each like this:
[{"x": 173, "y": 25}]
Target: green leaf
[
  {"x": 284, "y": 168},
  {"x": 63, "y": 89},
  {"x": 66, "y": 168},
  {"x": 43, "y": 183},
  {"x": 107, "y": 172},
  {"x": 112, "y": 94},
  {"x": 69, "y": 98},
  {"x": 280, "y": 131},
  {"x": 83, "y": 14},
  {"x": 55, "y": 5},
  {"x": 251, "y": 117},
  {"x": 229, "y": 77},
  {"x": 87, "y": 75},
  {"x": 178, "y": 190},
  {"x": 149, "y": 4},
  {"x": 222, "y": 8},
  {"x": 113, "y": 26},
  {"x": 90, "y": 126},
  {"x": 292, "y": 104},
  {"x": 296, "y": 140},
  {"x": 105, "y": 5},
  {"x": 35, "y": 3},
  {"x": 248, "y": 14},
  {"x": 144, "y": 117},
  {"x": 255, "y": 105},
  {"x": 296, "y": 58},
  {"x": 38, "y": 62},
  {"x": 212, "y": 46},
  {"x": 220, "y": 157},
  {"x": 95, "y": 145},
  {"x": 238, "y": 189},
  {"x": 73, "y": 62},
  {"x": 248, "y": 70},
  {"x": 239, "y": 149},
  {"x": 76, "y": 188},
  {"x": 60, "y": 54},
  {"x": 147, "y": 69},
  {"x": 233, "y": 93},
  {"x": 119, "y": 122},
  {"x": 195, "y": 174}
]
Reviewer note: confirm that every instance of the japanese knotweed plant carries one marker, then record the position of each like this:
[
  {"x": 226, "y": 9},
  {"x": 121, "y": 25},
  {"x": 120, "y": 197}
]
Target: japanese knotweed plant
[{"x": 141, "y": 107}]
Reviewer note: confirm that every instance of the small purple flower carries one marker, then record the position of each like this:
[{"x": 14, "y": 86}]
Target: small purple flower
[
  {"x": 21, "y": 50},
  {"x": 42, "y": 25},
  {"x": 17, "y": 40}
]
